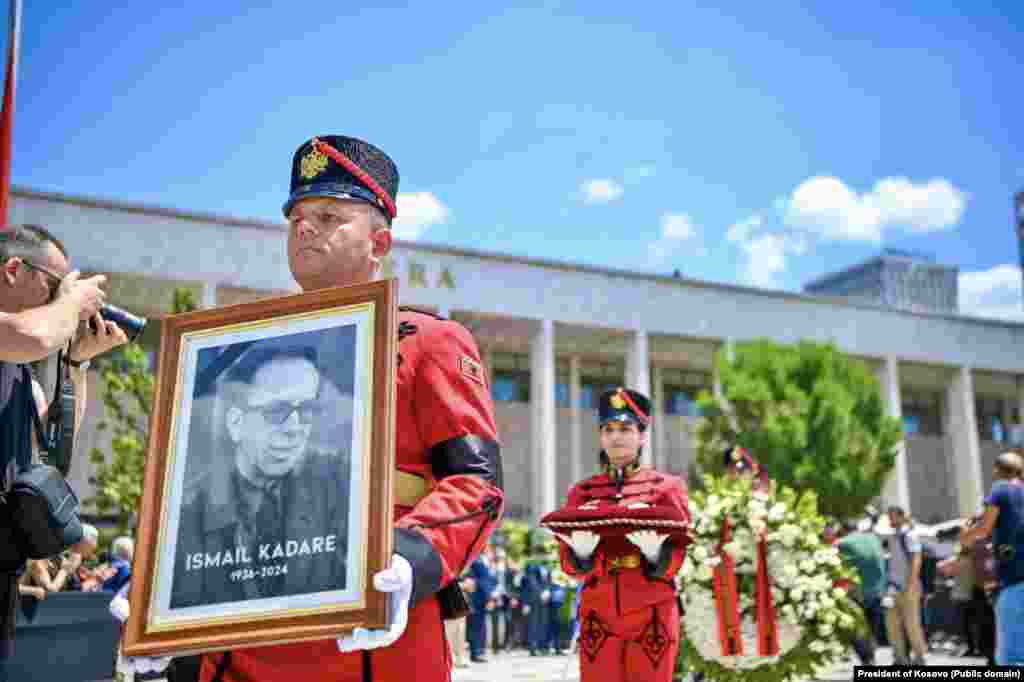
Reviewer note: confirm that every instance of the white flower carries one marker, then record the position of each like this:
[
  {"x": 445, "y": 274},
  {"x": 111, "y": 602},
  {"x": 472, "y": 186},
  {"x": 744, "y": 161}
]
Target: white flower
[
  {"x": 699, "y": 553},
  {"x": 829, "y": 617},
  {"x": 703, "y": 572},
  {"x": 796, "y": 595},
  {"x": 757, "y": 526},
  {"x": 777, "y": 512},
  {"x": 714, "y": 501},
  {"x": 817, "y": 647},
  {"x": 777, "y": 595},
  {"x": 825, "y": 630},
  {"x": 713, "y": 562},
  {"x": 828, "y": 602},
  {"x": 807, "y": 565},
  {"x": 846, "y": 620}
]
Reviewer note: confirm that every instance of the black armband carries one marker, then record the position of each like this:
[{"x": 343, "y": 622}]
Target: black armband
[
  {"x": 467, "y": 454},
  {"x": 425, "y": 562}
]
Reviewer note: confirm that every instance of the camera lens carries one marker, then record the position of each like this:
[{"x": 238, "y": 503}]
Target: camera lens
[{"x": 131, "y": 324}]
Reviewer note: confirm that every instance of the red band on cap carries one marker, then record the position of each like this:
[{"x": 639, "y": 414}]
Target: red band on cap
[
  {"x": 363, "y": 177},
  {"x": 629, "y": 401}
]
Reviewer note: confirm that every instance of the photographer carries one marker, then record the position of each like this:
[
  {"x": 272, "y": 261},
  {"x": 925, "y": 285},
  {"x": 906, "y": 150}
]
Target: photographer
[
  {"x": 41, "y": 307},
  {"x": 1003, "y": 520}
]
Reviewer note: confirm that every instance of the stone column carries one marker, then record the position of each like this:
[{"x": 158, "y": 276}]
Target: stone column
[
  {"x": 638, "y": 375},
  {"x": 209, "y": 295},
  {"x": 897, "y": 486},
  {"x": 576, "y": 419},
  {"x": 542, "y": 425},
  {"x": 659, "y": 440},
  {"x": 963, "y": 425}
]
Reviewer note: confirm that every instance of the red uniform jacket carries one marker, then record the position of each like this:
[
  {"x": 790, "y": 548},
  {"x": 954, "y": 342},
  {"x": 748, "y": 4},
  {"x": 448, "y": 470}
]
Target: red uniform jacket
[
  {"x": 634, "y": 587},
  {"x": 446, "y": 434}
]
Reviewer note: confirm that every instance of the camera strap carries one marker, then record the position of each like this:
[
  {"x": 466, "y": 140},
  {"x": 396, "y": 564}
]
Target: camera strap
[{"x": 57, "y": 438}]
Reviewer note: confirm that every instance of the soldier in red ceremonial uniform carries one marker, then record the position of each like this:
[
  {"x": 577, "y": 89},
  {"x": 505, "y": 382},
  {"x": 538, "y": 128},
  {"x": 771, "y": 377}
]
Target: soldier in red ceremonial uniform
[
  {"x": 448, "y": 492},
  {"x": 629, "y": 613}
]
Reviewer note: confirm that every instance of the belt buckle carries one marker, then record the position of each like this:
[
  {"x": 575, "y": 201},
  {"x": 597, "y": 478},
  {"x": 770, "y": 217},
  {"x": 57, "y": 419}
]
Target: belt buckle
[{"x": 628, "y": 561}]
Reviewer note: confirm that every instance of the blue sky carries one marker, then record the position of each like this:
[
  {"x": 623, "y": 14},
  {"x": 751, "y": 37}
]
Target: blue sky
[{"x": 757, "y": 143}]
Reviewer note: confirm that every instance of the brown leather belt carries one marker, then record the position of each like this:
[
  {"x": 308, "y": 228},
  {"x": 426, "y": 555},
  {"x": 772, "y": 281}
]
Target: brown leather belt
[
  {"x": 409, "y": 489},
  {"x": 627, "y": 561}
]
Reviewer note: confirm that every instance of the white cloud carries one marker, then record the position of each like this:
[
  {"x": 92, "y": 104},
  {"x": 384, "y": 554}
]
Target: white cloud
[
  {"x": 600, "y": 191},
  {"x": 825, "y": 205},
  {"x": 417, "y": 211},
  {"x": 995, "y": 292},
  {"x": 765, "y": 252},
  {"x": 677, "y": 226},
  {"x": 741, "y": 231}
]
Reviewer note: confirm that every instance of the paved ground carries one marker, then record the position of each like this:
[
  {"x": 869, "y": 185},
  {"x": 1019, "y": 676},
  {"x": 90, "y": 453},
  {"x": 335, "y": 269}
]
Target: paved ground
[{"x": 519, "y": 666}]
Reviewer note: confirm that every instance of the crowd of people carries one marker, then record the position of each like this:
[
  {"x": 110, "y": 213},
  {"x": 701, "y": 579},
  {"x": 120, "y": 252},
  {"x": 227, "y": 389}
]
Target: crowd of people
[
  {"x": 953, "y": 591},
  {"x": 81, "y": 568},
  {"x": 514, "y": 604}
]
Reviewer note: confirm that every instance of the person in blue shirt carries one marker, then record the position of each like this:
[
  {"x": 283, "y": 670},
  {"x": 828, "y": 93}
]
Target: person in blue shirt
[
  {"x": 535, "y": 593},
  {"x": 1004, "y": 521},
  {"x": 123, "y": 550},
  {"x": 485, "y": 577},
  {"x": 554, "y": 609}
]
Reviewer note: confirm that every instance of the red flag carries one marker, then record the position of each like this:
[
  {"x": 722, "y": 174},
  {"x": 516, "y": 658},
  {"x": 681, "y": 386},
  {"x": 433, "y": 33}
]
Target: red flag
[{"x": 7, "y": 116}]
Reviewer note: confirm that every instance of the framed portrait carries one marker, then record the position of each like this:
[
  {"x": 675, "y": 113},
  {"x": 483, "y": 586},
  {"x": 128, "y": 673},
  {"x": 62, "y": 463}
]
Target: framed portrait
[{"x": 267, "y": 503}]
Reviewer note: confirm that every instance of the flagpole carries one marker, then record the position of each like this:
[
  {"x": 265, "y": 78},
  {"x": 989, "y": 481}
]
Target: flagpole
[{"x": 7, "y": 115}]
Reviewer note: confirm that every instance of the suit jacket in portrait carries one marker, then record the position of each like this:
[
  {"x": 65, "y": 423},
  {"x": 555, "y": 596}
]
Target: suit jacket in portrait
[{"x": 312, "y": 544}]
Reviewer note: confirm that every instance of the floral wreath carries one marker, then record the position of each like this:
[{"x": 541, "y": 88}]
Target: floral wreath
[{"x": 764, "y": 597}]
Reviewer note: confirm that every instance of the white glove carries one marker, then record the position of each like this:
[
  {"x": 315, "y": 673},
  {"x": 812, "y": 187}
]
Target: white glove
[
  {"x": 397, "y": 581},
  {"x": 545, "y": 596},
  {"x": 120, "y": 609},
  {"x": 649, "y": 542},
  {"x": 583, "y": 542}
]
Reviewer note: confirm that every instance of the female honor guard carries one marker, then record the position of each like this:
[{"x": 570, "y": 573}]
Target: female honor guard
[{"x": 629, "y": 614}]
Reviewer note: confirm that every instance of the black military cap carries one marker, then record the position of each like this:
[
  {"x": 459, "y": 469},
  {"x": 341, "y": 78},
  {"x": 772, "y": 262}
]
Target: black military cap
[
  {"x": 624, "y": 405},
  {"x": 344, "y": 168}
]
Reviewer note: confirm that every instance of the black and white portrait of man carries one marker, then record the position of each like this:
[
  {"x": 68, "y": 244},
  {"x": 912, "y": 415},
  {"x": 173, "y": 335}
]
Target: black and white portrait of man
[{"x": 265, "y": 505}]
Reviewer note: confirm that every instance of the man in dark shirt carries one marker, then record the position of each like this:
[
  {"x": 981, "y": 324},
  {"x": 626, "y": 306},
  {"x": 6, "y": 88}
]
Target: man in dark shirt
[
  {"x": 1003, "y": 519},
  {"x": 41, "y": 307}
]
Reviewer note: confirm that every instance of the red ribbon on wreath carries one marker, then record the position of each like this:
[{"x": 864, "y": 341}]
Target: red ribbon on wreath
[
  {"x": 767, "y": 625},
  {"x": 726, "y": 599}
]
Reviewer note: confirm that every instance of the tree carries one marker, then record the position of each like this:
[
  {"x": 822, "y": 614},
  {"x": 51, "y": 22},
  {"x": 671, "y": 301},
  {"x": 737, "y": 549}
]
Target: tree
[
  {"x": 810, "y": 414},
  {"x": 127, "y": 395}
]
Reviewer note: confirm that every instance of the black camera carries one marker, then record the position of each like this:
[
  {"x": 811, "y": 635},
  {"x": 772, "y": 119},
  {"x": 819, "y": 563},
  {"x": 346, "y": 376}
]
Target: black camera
[{"x": 131, "y": 324}]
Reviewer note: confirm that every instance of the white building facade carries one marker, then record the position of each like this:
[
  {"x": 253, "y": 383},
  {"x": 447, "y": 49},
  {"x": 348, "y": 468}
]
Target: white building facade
[{"x": 553, "y": 335}]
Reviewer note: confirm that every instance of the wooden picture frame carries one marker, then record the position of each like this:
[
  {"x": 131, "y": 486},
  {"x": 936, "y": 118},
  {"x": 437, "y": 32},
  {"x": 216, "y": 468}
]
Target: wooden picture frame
[{"x": 233, "y": 409}]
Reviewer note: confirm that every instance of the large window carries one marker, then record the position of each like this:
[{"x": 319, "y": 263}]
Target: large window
[
  {"x": 989, "y": 413},
  {"x": 681, "y": 388},
  {"x": 510, "y": 377},
  {"x": 597, "y": 377},
  {"x": 922, "y": 412}
]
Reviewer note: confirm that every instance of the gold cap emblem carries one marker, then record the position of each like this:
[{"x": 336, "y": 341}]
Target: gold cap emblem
[
  {"x": 313, "y": 164},
  {"x": 617, "y": 402}
]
